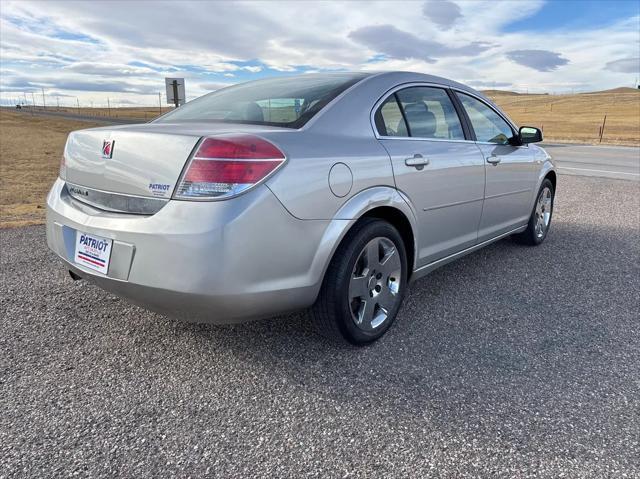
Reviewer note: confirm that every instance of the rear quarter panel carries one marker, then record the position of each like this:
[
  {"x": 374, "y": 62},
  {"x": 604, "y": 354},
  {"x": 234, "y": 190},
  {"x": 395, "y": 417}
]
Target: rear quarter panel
[{"x": 303, "y": 185}]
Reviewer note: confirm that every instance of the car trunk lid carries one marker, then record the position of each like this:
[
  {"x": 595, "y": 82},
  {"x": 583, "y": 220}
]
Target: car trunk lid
[{"x": 139, "y": 160}]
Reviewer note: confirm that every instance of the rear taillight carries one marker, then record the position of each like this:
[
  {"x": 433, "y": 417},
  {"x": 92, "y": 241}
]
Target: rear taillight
[{"x": 227, "y": 165}]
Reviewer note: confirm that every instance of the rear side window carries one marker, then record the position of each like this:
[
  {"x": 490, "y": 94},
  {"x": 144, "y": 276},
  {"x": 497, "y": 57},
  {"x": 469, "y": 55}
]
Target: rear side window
[
  {"x": 488, "y": 126},
  {"x": 426, "y": 112},
  {"x": 289, "y": 102}
]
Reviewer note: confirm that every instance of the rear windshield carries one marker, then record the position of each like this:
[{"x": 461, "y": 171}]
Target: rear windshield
[{"x": 288, "y": 102}]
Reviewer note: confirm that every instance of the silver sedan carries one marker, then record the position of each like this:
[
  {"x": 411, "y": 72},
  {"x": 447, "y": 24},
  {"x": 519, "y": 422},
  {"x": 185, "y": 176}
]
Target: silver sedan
[{"x": 327, "y": 191}]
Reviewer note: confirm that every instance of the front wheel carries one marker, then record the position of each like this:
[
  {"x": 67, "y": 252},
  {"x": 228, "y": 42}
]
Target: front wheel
[
  {"x": 540, "y": 219},
  {"x": 364, "y": 284}
]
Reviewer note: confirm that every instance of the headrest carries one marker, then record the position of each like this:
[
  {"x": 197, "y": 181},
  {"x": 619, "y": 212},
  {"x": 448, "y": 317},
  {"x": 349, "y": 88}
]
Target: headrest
[
  {"x": 252, "y": 112},
  {"x": 421, "y": 121}
]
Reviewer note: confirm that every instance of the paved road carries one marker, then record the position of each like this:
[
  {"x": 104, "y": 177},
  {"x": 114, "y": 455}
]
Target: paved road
[
  {"x": 512, "y": 362},
  {"x": 622, "y": 162}
]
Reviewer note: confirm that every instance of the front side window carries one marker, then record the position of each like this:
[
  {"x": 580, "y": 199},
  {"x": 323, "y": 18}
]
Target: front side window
[
  {"x": 289, "y": 102},
  {"x": 487, "y": 124}
]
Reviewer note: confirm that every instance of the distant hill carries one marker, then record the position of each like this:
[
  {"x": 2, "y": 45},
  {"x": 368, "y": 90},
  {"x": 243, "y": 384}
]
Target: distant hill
[
  {"x": 499, "y": 92},
  {"x": 509, "y": 93},
  {"x": 622, "y": 89}
]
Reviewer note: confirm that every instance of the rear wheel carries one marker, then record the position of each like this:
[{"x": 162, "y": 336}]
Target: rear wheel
[
  {"x": 364, "y": 284},
  {"x": 540, "y": 219}
]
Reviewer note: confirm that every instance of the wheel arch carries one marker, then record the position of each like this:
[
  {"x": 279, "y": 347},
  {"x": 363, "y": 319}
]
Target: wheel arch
[
  {"x": 383, "y": 202},
  {"x": 551, "y": 175},
  {"x": 399, "y": 221},
  {"x": 547, "y": 170}
]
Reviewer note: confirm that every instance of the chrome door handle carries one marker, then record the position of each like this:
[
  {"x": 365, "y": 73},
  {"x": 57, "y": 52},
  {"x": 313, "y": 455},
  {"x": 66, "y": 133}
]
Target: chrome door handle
[
  {"x": 417, "y": 161},
  {"x": 493, "y": 159}
]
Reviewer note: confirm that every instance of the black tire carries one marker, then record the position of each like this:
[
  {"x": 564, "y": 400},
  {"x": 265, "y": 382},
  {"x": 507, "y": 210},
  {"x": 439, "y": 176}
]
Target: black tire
[
  {"x": 531, "y": 236},
  {"x": 333, "y": 313}
]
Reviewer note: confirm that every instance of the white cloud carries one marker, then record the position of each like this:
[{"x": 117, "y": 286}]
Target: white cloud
[
  {"x": 102, "y": 48},
  {"x": 107, "y": 69},
  {"x": 214, "y": 86}
]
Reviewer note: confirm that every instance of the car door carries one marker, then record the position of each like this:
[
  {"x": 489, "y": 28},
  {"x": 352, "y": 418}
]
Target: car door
[
  {"x": 510, "y": 169},
  {"x": 435, "y": 166}
]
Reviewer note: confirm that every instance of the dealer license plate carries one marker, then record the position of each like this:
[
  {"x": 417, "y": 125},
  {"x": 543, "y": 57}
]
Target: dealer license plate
[{"x": 93, "y": 251}]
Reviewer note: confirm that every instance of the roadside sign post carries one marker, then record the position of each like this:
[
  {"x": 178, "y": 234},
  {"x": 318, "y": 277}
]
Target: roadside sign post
[
  {"x": 175, "y": 91},
  {"x": 176, "y": 100}
]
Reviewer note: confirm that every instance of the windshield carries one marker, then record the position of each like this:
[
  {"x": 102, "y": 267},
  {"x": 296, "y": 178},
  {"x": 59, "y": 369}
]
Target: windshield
[{"x": 288, "y": 102}]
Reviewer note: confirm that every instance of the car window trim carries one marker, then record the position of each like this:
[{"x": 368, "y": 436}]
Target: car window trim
[
  {"x": 404, "y": 115},
  {"x": 469, "y": 132},
  {"x": 511, "y": 125},
  {"x": 393, "y": 91},
  {"x": 379, "y": 121}
]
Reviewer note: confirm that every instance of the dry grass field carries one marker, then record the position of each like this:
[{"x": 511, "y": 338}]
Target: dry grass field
[
  {"x": 577, "y": 118},
  {"x": 30, "y": 151},
  {"x": 31, "y": 145},
  {"x": 135, "y": 113}
]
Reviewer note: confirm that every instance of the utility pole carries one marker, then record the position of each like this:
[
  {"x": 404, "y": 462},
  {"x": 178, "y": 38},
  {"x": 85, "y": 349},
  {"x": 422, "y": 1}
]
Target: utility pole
[
  {"x": 33, "y": 99},
  {"x": 58, "y": 102},
  {"x": 78, "y": 103},
  {"x": 44, "y": 105},
  {"x": 160, "y": 102},
  {"x": 108, "y": 107}
]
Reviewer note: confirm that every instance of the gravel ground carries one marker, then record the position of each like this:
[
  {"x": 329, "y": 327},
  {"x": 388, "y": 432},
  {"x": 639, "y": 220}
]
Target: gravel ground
[{"x": 512, "y": 362}]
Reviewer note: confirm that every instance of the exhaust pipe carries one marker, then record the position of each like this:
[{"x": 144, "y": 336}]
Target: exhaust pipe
[{"x": 74, "y": 276}]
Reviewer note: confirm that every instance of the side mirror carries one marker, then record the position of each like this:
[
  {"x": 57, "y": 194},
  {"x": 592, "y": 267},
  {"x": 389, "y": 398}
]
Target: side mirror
[{"x": 529, "y": 134}]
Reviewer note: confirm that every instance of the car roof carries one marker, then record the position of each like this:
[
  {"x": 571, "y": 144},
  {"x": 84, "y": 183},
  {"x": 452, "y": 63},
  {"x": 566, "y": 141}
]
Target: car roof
[
  {"x": 393, "y": 78},
  {"x": 399, "y": 77}
]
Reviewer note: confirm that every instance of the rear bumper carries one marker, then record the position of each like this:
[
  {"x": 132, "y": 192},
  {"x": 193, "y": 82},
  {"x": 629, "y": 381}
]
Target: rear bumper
[{"x": 215, "y": 262}]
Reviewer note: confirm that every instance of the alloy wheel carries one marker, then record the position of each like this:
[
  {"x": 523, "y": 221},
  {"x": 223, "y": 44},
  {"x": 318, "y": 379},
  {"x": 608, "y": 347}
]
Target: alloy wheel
[
  {"x": 375, "y": 283},
  {"x": 543, "y": 212}
]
